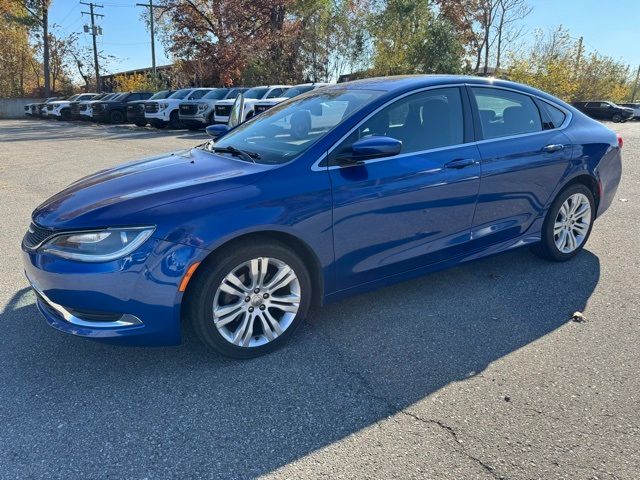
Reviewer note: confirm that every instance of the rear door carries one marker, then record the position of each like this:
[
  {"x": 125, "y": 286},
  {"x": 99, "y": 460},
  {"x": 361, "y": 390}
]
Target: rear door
[{"x": 524, "y": 156}]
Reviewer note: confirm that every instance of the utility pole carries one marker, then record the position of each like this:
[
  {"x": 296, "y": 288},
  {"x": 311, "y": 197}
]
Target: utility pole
[
  {"x": 94, "y": 34},
  {"x": 635, "y": 86},
  {"x": 151, "y": 6}
]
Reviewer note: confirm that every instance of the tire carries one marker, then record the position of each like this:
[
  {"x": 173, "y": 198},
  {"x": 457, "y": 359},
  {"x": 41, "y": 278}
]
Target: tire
[
  {"x": 116, "y": 116},
  {"x": 617, "y": 118},
  {"x": 141, "y": 124},
  {"x": 548, "y": 248},
  {"x": 194, "y": 129},
  {"x": 206, "y": 295},
  {"x": 174, "y": 120}
]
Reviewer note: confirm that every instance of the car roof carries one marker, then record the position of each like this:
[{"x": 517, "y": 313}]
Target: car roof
[{"x": 404, "y": 83}]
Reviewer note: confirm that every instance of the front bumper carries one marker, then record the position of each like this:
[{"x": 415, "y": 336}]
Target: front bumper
[
  {"x": 130, "y": 301},
  {"x": 135, "y": 117},
  {"x": 101, "y": 117},
  {"x": 199, "y": 121},
  {"x": 162, "y": 115}
]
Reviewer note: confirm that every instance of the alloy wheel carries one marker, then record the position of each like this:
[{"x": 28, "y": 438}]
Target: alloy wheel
[
  {"x": 256, "y": 302},
  {"x": 572, "y": 223}
]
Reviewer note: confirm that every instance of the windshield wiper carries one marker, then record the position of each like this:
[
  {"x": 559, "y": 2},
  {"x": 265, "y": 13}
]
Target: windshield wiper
[{"x": 245, "y": 155}]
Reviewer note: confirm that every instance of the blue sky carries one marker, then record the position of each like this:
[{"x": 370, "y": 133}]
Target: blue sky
[{"x": 611, "y": 27}]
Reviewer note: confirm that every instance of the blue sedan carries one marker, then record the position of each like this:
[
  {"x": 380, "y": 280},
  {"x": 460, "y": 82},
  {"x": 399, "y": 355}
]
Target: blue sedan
[{"x": 339, "y": 191}]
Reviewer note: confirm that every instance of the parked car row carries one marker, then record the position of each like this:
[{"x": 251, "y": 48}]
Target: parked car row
[
  {"x": 192, "y": 108},
  {"x": 605, "y": 110}
]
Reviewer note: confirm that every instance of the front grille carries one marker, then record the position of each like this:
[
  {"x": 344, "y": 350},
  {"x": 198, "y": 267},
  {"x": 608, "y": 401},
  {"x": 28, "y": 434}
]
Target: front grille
[
  {"x": 36, "y": 235},
  {"x": 261, "y": 108},
  {"x": 83, "y": 107},
  {"x": 187, "y": 109},
  {"x": 223, "y": 110},
  {"x": 151, "y": 107}
]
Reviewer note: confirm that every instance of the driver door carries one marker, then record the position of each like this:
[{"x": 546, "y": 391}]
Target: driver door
[{"x": 413, "y": 209}]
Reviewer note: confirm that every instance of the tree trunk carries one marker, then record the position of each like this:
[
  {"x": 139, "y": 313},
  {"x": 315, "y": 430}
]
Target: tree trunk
[{"x": 45, "y": 45}]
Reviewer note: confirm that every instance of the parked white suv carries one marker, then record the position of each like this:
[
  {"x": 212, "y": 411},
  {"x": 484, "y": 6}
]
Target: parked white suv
[
  {"x": 60, "y": 109},
  {"x": 86, "y": 107},
  {"x": 264, "y": 105},
  {"x": 165, "y": 112},
  {"x": 251, "y": 97},
  {"x": 197, "y": 114}
]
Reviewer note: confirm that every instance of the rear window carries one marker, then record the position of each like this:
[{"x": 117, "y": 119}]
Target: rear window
[{"x": 504, "y": 113}]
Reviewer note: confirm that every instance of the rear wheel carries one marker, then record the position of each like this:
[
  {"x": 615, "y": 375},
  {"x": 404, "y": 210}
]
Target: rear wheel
[
  {"x": 116, "y": 116},
  {"x": 248, "y": 301},
  {"x": 567, "y": 225}
]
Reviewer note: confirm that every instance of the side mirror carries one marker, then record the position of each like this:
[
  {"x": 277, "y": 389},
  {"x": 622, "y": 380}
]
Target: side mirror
[
  {"x": 369, "y": 148},
  {"x": 217, "y": 131}
]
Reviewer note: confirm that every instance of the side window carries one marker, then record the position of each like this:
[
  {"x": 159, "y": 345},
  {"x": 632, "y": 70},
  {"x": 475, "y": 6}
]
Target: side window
[
  {"x": 504, "y": 113},
  {"x": 553, "y": 116},
  {"x": 275, "y": 93},
  {"x": 422, "y": 121}
]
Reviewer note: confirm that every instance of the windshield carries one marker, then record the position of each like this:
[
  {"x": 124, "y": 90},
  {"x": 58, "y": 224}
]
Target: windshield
[
  {"x": 109, "y": 96},
  {"x": 295, "y": 91},
  {"x": 117, "y": 96},
  {"x": 160, "y": 95},
  {"x": 73, "y": 97},
  {"x": 289, "y": 129},
  {"x": 216, "y": 94},
  {"x": 257, "y": 92},
  {"x": 180, "y": 94},
  {"x": 198, "y": 94}
]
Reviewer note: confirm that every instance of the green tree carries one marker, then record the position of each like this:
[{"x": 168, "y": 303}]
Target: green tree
[{"x": 410, "y": 38}]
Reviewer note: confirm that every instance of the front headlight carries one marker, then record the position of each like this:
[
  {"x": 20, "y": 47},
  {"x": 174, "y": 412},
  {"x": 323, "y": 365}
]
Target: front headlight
[
  {"x": 162, "y": 106},
  {"x": 97, "y": 245}
]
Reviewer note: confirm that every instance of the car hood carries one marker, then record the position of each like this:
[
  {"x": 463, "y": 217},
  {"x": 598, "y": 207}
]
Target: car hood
[{"x": 120, "y": 195}]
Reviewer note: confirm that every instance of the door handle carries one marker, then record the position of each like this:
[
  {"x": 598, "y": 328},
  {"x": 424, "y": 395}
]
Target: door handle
[
  {"x": 461, "y": 163},
  {"x": 554, "y": 147}
]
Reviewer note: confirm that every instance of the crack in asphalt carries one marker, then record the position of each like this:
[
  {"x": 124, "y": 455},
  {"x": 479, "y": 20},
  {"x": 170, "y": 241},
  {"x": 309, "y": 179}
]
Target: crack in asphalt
[{"x": 394, "y": 409}]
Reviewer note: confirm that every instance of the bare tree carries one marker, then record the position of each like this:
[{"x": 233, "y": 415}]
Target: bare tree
[{"x": 509, "y": 13}]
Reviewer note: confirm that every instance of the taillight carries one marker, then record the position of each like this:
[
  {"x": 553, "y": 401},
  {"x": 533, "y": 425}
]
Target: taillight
[{"x": 620, "y": 141}]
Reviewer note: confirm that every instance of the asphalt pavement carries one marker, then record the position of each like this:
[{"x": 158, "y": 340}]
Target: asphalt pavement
[{"x": 471, "y": 373}]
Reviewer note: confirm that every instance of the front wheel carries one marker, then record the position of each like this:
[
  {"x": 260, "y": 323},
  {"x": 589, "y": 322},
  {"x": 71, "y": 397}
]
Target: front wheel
[
  {"x": 174, "y": 120},
  {"x": 248, "y": 301},
  {"x": 567, "y": 225},
  {"x": 116, "y": 117},
  {"x": 617, "y": 118}
]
